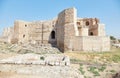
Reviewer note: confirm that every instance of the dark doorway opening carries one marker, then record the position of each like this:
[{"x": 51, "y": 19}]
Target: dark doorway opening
[
  {"x": 24, "y": 36},
  {"x": 91, "y": 33},
  {"x": 53, "y": 34}
]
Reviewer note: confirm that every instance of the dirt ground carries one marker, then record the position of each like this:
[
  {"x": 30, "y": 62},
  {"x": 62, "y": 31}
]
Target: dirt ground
[
  {"x": 15, "y": 75},
  {"x": 96, "y": 58}
]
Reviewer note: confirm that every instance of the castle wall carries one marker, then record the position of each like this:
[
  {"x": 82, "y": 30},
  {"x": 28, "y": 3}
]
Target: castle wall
[
  {"x": 21, "y": 31},
  {"x": 92, "y": 43},
  {"x": 38, "y": 32},
  {"x": 77, "y": 44},
  {"x": 90, "y": 23},
  {"x": 8, "y": 33},
  {"x": 60, "y": 31},
  {"x": 41, "y": 32},
  {"x": 101, "y": 30},
  {"x": 83, "y": 31},
  {"x": 67, "y": 31},
  {"x": 66, "y": 28}
]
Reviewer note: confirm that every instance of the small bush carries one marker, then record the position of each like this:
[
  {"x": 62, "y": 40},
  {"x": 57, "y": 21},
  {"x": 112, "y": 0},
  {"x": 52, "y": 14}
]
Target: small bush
[
  {"x": 42, "y": 58},
  {"x": 102, "y": 68},
  {"x": 75, "y": 60},
  {"x": 116, "y": 58},
  {"x": 81, "y": 70},
  {"x": 94, "y": 71},
  {"x": 112, "y": 71}
]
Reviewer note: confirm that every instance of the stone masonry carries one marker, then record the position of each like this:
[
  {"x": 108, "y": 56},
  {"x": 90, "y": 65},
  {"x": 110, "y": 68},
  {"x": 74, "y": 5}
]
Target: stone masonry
[{"x": 67, "y": 32}]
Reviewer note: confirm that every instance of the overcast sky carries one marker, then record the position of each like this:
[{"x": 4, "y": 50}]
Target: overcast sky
[{"x": 108, "y": 11}]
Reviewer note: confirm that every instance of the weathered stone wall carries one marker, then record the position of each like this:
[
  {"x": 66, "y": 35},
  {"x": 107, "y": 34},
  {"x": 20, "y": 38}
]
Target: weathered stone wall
[
  {"x": 91, "y": 43},
  {"x": 83, "y": 31},
  {"x": 91, "y": 23},
  {"x": 66, "y": 27},
  {"x": 77, "y": 43},
  {"x": 21, "y": 31},
  {"x": 41, "y": 32},
  {"x": 35, "y": 32},
  {"x": 67, "y": 31},
  {"x": 8, "y": 33},
  {"x": 101, "y": 30},
  {"x": 60, "y": 31}
]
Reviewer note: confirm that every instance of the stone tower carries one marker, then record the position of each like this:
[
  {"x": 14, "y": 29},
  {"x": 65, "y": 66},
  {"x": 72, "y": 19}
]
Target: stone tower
[{"x": 66, "y": 28}]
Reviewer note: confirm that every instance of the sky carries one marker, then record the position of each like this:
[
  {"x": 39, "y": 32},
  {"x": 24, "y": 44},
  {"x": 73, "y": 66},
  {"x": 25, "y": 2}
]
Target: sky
[{"x": 108, "y": 11}]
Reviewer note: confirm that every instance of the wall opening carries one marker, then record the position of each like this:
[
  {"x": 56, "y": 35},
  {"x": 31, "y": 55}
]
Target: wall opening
[
  {"x": 87, "y": 23},
  {"x": 78, "y": 23},
  {"x": 24, "y": 36},
  {"x": 25, "y": 25},
  {"x": 91, "y": 34},
  {"x": 53, "y": 34}
]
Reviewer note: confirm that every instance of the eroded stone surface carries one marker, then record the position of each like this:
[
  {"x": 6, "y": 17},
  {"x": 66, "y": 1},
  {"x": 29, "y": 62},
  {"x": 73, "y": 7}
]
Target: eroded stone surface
[{"x": 35, "y": 59}]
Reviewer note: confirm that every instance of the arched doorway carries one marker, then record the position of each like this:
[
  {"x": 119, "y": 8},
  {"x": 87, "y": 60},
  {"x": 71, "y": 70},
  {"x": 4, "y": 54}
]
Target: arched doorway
[
  {"x": 53, "y": 35},
  {"x": 91, "y": 33}
]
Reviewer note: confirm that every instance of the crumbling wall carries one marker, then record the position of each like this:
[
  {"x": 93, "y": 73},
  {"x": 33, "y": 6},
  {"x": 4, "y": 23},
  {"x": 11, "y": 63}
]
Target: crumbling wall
[
  {"x": 8, "y": 34},
  {"x": 90, "y": 23}
]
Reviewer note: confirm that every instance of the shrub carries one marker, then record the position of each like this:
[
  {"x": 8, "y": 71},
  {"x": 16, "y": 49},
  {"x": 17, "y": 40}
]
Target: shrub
[
  {"x": 94, "y": 71},
  {"x": 81, "y": 70},
  {"x": 112, "y": 71},
  {"x": 42, "y": 58},
  {"x": 102, "y": 68}
]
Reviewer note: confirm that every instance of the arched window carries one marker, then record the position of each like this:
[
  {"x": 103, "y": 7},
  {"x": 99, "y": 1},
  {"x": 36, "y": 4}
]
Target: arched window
[{"x": 53, "y": 34}]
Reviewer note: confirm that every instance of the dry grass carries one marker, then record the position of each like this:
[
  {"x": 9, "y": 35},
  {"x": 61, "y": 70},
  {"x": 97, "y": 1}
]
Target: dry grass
[
  {"x": 15, "y": 75},
  {"x": 100, "y": 57}
]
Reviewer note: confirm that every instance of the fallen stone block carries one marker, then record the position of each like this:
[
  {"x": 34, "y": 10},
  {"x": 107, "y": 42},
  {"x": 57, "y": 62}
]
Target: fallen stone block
[{"x": 57, "y": 63}]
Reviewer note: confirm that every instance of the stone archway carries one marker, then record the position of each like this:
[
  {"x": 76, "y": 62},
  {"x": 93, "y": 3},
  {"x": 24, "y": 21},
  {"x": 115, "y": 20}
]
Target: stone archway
[{"x": 53, "y": 35}]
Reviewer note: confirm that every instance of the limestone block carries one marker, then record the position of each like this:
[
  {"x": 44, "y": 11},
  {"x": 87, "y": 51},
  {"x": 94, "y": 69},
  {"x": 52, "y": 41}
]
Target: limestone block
[
  {"x": 51, "y": 63},
  {"x": 67, "y": 63},
  {"x": 57, "y": 63},
  {"x": 42, "y": 63},
  {"x": 62, "y": 63},
  {"x": 36, "y": 62}
]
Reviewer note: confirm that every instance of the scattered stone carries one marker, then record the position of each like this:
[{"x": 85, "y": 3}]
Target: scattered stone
[{"x": 34, "y": 59}]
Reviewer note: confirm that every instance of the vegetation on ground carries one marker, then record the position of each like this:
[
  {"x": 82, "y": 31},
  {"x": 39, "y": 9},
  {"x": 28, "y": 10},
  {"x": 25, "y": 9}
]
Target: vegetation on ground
[
  {"x": 94, "y": 71},
  {"x": 81, "y": 69},
  {"x": 42, "y": 58},
  {"x": 112, "y": 56}
]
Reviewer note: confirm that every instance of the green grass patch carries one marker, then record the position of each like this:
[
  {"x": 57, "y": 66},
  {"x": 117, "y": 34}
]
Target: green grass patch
[
  {"x": 81, "y": 69},
  {"x": 115, "y": 58},
  {"x": 112, "y": 71},
  {"x": 42, "y": 58},
  {"x": 94, "y": 71},
  {"x": 102, "y": 68},
  {"x": 75, "y": 60}
]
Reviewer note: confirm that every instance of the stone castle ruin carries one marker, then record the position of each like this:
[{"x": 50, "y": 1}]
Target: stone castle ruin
[{"x": 67, "y": 32}]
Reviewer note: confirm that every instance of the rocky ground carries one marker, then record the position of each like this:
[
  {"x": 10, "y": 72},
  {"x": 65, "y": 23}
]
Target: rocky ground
[
  {"x": 13, "y": 57},
  {"x": 83, "y": 64},
  {"x": 42, "y": 71}
]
